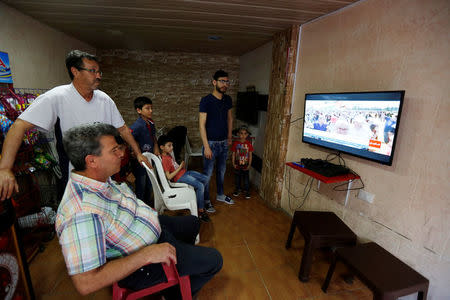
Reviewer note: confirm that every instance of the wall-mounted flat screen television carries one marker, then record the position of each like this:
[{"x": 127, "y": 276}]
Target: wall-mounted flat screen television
[{"x": 363, "y": 124}]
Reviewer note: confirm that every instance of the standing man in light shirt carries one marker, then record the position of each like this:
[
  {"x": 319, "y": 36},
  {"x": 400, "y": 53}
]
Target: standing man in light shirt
[
  {"x": 216, "y": 122},
  {"x": 79, "y": 102}
]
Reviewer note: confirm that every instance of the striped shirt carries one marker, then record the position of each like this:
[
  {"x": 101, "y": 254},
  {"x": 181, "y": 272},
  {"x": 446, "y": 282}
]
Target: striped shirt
[{"x": 97, "y": 221}]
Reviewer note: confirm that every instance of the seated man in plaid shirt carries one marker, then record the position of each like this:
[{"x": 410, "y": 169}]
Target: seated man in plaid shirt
[{"x": 107, "y": 235}]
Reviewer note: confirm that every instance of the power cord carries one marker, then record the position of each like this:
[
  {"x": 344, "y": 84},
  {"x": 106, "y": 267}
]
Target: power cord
[
  {"x": 304, "y": 196},
  {"x": 298, "y": 119},
  {"x": 336, "y": 155},
  {"x": 336, "y": 188},
  {"x": 342, "y": 163},
  {"x": 309, "y": 182}
]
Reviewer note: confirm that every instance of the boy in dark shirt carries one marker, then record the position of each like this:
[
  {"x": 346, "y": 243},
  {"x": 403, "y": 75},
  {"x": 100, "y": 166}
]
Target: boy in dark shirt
[{"x": 144, "y": 132}]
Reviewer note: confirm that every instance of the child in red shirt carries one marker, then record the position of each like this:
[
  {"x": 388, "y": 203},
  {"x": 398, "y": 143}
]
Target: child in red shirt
[
  {"x": 177, "y": 173},
  {"x": 242, "y": 160}
]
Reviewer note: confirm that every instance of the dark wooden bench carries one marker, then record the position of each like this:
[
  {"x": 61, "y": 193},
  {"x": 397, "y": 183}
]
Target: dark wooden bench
[
  {"x": 319, "y": 229},
  {"x": 384, "y": 274}
]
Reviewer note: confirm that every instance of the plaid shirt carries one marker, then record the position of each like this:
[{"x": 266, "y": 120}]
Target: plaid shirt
[{"x": 97, "y": 221}]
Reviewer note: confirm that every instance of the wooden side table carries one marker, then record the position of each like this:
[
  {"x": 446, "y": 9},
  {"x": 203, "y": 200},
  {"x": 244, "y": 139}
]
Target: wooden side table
[
  {"x": 319, "y": 229},
  {"x": 387, "y": 276}
]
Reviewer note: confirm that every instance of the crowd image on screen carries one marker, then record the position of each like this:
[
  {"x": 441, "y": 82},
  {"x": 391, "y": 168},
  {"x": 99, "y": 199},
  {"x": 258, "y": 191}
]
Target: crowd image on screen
[{"x": 371, "y": 127}]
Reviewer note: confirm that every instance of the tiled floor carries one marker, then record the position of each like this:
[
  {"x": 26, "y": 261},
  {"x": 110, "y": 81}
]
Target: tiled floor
[{"x": 251, "y": 237}]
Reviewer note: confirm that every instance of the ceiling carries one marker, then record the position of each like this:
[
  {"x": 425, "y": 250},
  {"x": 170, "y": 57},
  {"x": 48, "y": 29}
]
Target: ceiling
[{"x": 207, "y": 26}]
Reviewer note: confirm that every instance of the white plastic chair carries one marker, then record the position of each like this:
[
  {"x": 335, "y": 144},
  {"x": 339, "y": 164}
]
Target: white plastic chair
[
  {"x": 175, "y": 197},
  {"x": 188, "y": 152}
]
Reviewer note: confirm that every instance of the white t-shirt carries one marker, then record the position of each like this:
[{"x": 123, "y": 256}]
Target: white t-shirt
[{"x": 72, "y": 109}]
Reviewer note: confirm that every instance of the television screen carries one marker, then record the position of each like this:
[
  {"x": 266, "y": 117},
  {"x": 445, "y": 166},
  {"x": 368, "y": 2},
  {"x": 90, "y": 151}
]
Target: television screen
[
  {"x": 247, "y": 107},
  {"x": 364, "y": 124}
]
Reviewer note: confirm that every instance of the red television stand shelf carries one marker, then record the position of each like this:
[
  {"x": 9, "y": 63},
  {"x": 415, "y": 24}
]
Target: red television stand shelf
[{"x": 350, "y": 177}]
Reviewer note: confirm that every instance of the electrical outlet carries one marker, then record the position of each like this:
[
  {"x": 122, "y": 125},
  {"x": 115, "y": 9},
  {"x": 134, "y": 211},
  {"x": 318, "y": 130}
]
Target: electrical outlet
[{"x": 366, "y": 196}]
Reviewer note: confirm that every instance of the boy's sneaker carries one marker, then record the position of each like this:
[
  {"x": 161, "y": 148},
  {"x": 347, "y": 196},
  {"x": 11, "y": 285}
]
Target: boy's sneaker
[
  {"x": 203, "y": 216},
  {"x": 226, "y": 200},
  {"x": 247, "y": 195},
  {"x": 209, "y": 208},
  {"x": 236, "y": 193}
]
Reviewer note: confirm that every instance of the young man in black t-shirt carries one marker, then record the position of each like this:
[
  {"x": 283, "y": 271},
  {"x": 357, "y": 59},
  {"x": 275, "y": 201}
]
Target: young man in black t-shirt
[{"x": 216, "y": 122}]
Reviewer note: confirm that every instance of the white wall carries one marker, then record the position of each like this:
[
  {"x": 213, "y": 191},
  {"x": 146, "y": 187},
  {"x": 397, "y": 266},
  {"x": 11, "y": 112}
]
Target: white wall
[
  {"x": 36, "y": 51},
  {"x": 255, "y": 70},
  {"x": 387, "y": 45}
]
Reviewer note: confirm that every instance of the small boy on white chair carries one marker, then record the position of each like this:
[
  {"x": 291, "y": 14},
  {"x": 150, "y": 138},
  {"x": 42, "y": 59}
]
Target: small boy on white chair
[{"x": 178, "y": 173}]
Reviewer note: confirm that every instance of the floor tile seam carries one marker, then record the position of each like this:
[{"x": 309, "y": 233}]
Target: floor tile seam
[
  {"x": 310, "y": 294},
  {"x": 220, "y": 246},
  {"x": 264, "y": 283},
  {"x": 272, "y": 266},
  {"x": 257, "y": 271},
  {"x": 249, "y": 251},
  {"x": 234, "y": 245}
]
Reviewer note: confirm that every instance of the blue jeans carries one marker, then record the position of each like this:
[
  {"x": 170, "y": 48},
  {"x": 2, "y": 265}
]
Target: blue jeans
[
  {"x": 219, "y": 156},
  {"x": 198, "y": 181}
]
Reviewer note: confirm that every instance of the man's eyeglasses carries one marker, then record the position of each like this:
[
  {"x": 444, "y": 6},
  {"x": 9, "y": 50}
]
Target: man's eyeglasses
[
  {"x": 94, "y": 71},
  {"x": 224, "y": 81}
]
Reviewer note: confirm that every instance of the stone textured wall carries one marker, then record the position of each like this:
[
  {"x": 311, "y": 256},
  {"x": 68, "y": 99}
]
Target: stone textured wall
[
  {"x": 174, "y": 81},
  {"x": 284, "y": 54}
]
